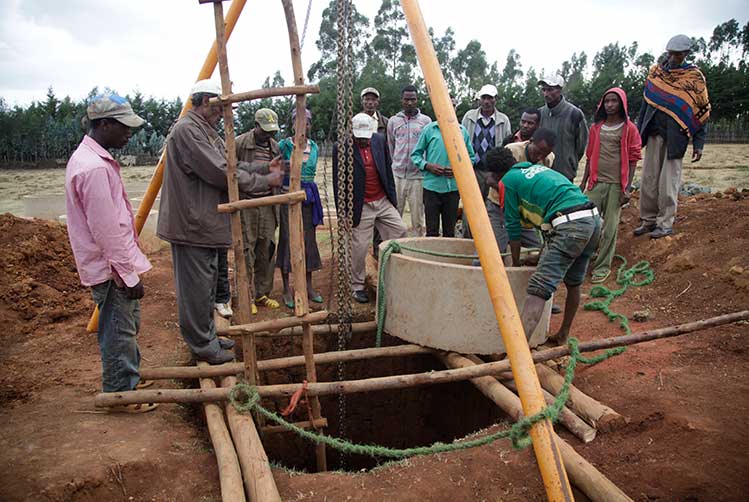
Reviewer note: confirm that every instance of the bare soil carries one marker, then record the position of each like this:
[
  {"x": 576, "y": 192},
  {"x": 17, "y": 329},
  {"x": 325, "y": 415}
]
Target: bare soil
[{"x": 686, "y": 398}]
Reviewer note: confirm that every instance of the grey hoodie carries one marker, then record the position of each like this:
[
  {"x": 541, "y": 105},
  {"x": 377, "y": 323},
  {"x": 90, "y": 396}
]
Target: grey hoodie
[{"x": 568, "y": 123}]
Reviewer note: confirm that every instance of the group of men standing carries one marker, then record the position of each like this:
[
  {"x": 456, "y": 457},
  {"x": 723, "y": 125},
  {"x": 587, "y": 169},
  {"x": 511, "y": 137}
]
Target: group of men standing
[{"x": 526, "y": 178}]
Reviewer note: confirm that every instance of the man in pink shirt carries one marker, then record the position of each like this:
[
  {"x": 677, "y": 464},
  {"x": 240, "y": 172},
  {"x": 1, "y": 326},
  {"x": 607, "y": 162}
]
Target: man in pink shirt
[{"x": 101, "y": 228}]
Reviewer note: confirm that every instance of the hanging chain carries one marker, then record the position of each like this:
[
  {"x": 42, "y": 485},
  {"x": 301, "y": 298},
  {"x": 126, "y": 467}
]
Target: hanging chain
[
  {"x": 345, "y": 200},
  {"x": 306, "y": 23}
]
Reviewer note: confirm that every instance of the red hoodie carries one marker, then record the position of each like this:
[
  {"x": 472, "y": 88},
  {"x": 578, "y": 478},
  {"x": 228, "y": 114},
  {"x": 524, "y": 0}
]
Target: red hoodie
[{"x": 631, "y": 142}]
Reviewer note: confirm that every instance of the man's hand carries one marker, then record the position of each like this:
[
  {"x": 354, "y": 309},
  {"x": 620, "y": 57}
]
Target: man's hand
[
  {"x": 449, "y": 172},
  {"x": 279, "y": 165},
  {"x": 515, "y": 252},
  {"x": 275, "y": 178},
  {"x": 696, "y": 155},
  {"x": 624, "y": 197},
  {"x": 136, "y": 292},
  {"x": 435, "y": 169}
]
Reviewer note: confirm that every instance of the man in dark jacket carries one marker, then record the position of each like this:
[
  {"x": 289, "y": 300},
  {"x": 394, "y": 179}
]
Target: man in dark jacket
[
  {"x": 374, "y": 199},
  {"x": 194, "y": 185},
  {"x": 674, "y": 109}
]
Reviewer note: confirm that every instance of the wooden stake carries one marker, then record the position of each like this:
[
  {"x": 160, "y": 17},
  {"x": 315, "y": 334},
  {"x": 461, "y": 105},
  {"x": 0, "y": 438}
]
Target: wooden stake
[
  {"x": 582, "y": 474},
  {"x": 402, "y": 381},
  {"x": 270, "y": 200},
  {"x": 187, "y": 372},
  {"x": 244, "y": 310},
  {"x": 317, "y": 424},
  {"x": 258, "y": 478},
  {"x": 229, "y": 473},
  {"x": 270, "y": 92},
  {"x": 595, "y": 413},
  {"x": 274, "y": 324}
]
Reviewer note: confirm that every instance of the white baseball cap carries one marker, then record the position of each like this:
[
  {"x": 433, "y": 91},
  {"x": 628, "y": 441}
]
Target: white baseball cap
[
  {"x": 363, "y": 125},
  {"x": 487, "y": 90},
  {"x": 206, "y": 86},
  {"x": 552, "y": 81}
]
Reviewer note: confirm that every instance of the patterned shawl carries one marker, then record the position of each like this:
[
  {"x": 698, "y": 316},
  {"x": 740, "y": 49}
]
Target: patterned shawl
[{"x": 681, "y": 93}]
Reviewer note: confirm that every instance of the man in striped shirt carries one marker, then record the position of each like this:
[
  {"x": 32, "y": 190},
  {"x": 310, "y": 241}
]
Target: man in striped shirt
[{"x": 403, "y": 132}]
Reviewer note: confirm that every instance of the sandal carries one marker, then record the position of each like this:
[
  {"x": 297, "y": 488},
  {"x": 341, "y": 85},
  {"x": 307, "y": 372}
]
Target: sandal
[
  {"x": 600, "y": 276},
  {"x": 143, "y": 384},
  {"x": 264, "y": 301},
  {"x": 131, "y": 408}
]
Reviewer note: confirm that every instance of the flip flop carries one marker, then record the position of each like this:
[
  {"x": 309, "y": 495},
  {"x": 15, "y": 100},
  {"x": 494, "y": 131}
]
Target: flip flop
[
  {"x": 600, "y": 276},
  {"x": 131, "y": 408},
  {"x": 143, "y": 384},
  {"x": 289, "y": 303},
  {"x": 316, "y": 299}
]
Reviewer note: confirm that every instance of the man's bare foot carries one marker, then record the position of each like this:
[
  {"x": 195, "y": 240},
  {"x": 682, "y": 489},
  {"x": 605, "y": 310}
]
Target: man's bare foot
[{"x": 560, "y": 338}]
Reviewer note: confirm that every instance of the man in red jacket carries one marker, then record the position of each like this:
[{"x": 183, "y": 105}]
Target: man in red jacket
[{"x": 614, "y": 147}]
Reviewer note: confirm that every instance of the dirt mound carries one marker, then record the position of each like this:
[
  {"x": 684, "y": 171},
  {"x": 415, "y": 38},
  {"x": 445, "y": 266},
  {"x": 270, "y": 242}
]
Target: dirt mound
[
  {"x": 38, "y": 281},
  {"x": 701, "y": 270}
]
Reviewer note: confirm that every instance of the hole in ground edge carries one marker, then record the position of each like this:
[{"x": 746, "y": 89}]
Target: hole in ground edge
[{"x": 402, "y": 418}]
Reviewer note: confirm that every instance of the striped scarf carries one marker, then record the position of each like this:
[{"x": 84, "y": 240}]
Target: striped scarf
[{"x": 681, "y": 93}]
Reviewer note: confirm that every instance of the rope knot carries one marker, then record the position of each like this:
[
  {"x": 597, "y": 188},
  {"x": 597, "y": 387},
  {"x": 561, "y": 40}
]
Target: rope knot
[{"x": 244, "y": 397}]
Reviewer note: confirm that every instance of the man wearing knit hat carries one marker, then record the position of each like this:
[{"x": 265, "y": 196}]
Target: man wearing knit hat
[{"x": 101, "y": 229}]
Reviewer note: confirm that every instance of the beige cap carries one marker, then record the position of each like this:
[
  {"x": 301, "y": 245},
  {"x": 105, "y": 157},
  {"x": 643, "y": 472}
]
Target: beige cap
[
  {"x": 112, "y": 106},
  {"x": 369, "y": 90},
  {"x": 267, "y": 119},
  {"x": 363, "y": 125},
  {"x": 552, "y": 81}
]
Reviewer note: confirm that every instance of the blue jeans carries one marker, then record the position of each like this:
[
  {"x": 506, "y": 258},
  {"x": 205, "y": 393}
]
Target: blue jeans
[
  {"x": 565, "y": 256},
  {"x": 119, "y": 323}
]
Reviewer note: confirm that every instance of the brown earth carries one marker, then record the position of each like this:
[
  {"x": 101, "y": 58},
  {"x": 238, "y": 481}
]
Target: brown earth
[{"x": 686, "y": 398}]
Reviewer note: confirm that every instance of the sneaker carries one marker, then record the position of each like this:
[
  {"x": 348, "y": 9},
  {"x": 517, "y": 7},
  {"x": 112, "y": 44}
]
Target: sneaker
[
  {"x": 265, "y": 301},
  {"x": 660, "y": 232},
  {"x": 556, "y": 309},
  {"x": 223, "y": 356},
  {"x": 644, "y": 228},
  {"x": 361, "y": 296},
  {"x": 254, "y": 309},
  {"x": 223, "y": 309},
  {"x": 226, "y": 343}
]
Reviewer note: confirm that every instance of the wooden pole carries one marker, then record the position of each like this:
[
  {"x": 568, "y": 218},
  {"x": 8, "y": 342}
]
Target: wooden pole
[
  {"x": 244, "y": 311},
  {"x": 269, "y": 92},
  {"x": 595, "y": 413},
  {"x": 188, "y": 372},
  {"x": 144, "y": 209},
  {"x": 572, "y": 422},
  {"x": 402, "y": 381},
  {"x": 271, "y": 200},
  {"x": 586, "y": 477},
  {"x": 296, "y": 231},
  {"x": 506, "y": 311},
  {"x": 229, "y": 473},
  {"x": 258, "y": 477},
  {"x": 274, "y": 324}
]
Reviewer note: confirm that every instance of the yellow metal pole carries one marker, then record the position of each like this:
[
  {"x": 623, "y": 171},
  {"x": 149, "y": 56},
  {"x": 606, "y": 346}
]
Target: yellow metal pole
[
  {"x": 158, "y": 175},
  {"x": 547, "y": 451}
]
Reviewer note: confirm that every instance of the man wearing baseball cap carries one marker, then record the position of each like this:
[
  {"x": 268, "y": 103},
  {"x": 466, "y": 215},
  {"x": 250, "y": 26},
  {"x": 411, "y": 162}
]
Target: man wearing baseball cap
[
  {"x": 101, "y": 229},
  {"x": 370, "y": 104},
  {"x": 567, "y": 122},
  {"x": 194, "y": 185},
  {"x": 258, "y": 147},
  {"x": 374, "y": 197},
  {"x": 674, "y": 110}
]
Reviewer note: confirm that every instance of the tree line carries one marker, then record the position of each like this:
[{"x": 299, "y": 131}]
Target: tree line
[{"x": 386, "y": 59}]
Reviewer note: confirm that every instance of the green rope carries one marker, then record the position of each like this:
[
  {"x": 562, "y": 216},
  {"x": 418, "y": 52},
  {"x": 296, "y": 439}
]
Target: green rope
[
  {"x": 625, "y": 277},
  {"x": 396, "y": 247},
  {"x": 246, "y": 399}
]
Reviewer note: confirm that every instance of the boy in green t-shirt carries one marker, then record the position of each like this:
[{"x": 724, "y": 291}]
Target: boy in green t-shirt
[{"x": 540, "y": 196}]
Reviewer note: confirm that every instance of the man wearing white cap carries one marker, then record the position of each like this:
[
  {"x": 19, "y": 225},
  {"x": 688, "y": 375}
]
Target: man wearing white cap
[
  {"x": 487, "y": 127},
  {"x": 373, "y": 195},
  {"x": 194, "y": 185},
  {"x": 568, "y": 123},
  {"x": 101, "y": 229},
  {"x": 370, "y": 104}
]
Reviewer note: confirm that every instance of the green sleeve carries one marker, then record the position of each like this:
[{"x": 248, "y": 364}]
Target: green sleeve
[
  {"x": 417, "y": 156},
  {"x": 512, "y": 211},
  {"x": 469, "y": 146}
]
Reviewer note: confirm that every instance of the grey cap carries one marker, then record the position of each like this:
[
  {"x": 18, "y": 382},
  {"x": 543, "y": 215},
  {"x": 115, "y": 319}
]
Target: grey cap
[{"x": 679, "y": 43}]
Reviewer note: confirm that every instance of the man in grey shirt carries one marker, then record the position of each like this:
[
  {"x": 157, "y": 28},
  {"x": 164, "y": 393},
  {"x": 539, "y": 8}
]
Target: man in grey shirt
[{"x": 568, "y": 123}]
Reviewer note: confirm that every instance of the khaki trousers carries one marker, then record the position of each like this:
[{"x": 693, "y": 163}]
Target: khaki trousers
[
  {"x": 384, "y": 217},
  {"x": 411, "y": 191},
  {"x": 258, "y": 229},
  {"x": 661, "y": 182}
]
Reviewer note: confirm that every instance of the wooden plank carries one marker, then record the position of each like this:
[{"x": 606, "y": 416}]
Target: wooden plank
[
  {"x": 317, "y": 424},
  {"x": 258, "y": 478},
  {"x": 270, "y": 200},
  {"x": 269, "y": 92}
]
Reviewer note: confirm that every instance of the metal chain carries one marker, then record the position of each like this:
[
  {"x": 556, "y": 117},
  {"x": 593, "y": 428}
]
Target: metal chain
[
  {"x": 345, "y": 200},
  {"x": 306, "y": 23}
]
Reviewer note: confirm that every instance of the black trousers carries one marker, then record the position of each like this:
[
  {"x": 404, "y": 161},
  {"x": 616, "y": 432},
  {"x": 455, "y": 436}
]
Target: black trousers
[{"x": 442, "y": 206}]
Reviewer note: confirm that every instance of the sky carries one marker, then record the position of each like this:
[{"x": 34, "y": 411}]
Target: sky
[{"x": 158, "y": 46}]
